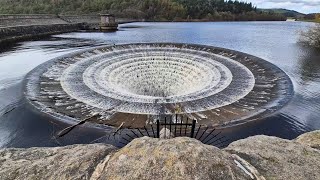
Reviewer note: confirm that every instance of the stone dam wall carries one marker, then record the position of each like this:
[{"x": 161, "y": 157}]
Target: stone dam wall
[
  {"x": 93, "y": 19},
  {"x": 18, "y": 33},
  {"x": 21, "y": 27},
  {"x": 23, "y": 20},
  {"x": 8, "y": 20}
]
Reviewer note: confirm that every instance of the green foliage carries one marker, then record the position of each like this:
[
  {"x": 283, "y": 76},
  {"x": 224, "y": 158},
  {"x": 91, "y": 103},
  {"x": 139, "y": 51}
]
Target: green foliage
[
  {"x": 211, "y": 10},
  {"x": 199, "y": 9}
]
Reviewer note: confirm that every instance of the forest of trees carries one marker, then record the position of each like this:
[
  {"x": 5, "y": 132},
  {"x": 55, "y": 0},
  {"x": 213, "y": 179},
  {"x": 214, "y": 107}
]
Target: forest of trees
[{"x": 160, "y": 10}]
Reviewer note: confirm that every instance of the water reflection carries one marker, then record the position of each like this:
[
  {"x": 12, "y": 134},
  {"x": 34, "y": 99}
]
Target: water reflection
[
  {"x": 310, "y": 63},
  {"x": 305, "y": 106},
  {"x": 39, "y": 130},
  {"x": 273, "y": 41}
]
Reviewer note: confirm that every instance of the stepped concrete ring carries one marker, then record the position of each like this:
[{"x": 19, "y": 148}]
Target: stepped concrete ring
[{"x": 134, "y": 84}]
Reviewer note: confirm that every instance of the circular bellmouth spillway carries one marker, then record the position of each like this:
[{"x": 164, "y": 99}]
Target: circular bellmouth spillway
[{"x": 135, "y": 84}]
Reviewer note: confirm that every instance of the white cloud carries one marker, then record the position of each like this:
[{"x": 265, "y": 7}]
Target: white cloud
[{"x": 304, "y": 6}]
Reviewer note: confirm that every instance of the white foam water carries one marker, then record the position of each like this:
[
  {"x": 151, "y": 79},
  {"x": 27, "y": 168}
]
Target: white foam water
[{"x": 153, "y": 79}]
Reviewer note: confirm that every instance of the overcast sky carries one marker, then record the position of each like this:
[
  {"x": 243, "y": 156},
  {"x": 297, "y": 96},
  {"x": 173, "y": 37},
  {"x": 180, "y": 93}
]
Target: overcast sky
[{"x": 304, "y": 6}]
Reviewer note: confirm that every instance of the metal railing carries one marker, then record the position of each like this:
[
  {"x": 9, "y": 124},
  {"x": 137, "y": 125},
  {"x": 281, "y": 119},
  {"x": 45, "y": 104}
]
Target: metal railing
[{"x": 168, "y": 128}]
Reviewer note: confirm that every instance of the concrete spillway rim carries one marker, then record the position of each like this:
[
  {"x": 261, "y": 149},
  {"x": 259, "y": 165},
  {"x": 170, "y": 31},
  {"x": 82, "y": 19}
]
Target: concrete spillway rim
[{"x": 69, "y": 120}]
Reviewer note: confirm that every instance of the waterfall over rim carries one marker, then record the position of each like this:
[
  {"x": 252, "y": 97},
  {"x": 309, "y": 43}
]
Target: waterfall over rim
[{"x": 135, "y": 83}]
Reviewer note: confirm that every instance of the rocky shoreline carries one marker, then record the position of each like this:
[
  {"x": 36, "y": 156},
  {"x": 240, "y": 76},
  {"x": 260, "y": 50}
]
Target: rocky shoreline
[{"x": 257, "y": 157}]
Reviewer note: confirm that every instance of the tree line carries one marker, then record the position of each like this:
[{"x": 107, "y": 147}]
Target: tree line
[{"x": 159, "y": 10}]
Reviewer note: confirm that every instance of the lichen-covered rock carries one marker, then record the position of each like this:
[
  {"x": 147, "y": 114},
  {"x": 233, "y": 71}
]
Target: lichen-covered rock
[
  {"x": 256, "y": 158},
  {"x": 311, "y": 139},
  {"x": 70, "y": 162},
  {"x": 179, "y": 158},
  {"x": 276, "y": 158}
]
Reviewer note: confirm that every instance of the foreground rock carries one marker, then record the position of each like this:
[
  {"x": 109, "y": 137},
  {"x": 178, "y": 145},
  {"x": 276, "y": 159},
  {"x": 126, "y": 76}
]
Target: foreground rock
[
  {"x": 276, "y": 158},
  {"x": 258, "y": 157},
  {"x": 179, "y": 158},
  {"x": 70, "y": 162},
  {"x": 311, "y": 139}
]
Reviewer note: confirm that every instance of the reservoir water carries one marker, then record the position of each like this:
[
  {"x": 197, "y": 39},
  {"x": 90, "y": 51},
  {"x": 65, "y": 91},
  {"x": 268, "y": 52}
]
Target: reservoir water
[{"x": 275, "y": 42}]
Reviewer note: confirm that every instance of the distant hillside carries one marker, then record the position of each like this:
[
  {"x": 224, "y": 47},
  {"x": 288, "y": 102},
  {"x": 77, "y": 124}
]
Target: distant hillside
[
  {"x": 166, "y": 10},
  {"x": 314, "y": 17},
  {"x": 285, "y": 12}
]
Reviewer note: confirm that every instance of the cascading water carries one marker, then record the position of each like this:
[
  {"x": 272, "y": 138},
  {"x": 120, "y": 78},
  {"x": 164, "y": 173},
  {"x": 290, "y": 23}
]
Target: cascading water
[{"x": 133, "y": 83}]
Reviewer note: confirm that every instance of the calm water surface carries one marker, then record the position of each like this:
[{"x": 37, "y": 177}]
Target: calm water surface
[{"x": 273, "y": 41}]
